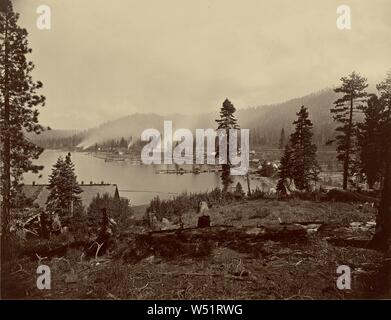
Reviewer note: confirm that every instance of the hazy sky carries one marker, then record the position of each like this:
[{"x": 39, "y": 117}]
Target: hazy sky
[{"x": 105, "y": 59}]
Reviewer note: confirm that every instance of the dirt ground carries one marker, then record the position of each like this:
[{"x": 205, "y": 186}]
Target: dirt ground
[{"x": 275, "y": 270}]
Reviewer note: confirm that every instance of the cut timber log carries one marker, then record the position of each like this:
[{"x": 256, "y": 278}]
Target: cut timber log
[
  {"x": 349, "y": 196},
  {"x": 287, "y": 232},
  {"x": 304, "y": 223},
  {"x": 358, "y": 242},
  {"x": 196, "y": 242}
]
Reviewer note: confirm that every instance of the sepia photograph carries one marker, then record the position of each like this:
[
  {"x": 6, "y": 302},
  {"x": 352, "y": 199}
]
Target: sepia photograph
[{"x": 214, "y": 151}]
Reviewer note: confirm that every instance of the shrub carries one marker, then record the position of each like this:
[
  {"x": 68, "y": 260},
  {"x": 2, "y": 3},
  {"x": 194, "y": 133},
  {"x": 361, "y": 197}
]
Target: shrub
[
  {"x": 239, "y": 193},
  {"x": 256, "y": 194},
  {"x": 267, "y": 169},
  {"x": 118, "y": 209},
  {"x": 187, "y": 202}
]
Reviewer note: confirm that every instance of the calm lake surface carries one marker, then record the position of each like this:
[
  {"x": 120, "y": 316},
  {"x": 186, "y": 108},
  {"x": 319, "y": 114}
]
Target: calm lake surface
[{"x": 140, "y": 183}]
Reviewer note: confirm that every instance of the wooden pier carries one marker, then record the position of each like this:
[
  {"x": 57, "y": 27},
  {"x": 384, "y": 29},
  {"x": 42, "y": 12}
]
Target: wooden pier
[{"x": 183, "y": 171}]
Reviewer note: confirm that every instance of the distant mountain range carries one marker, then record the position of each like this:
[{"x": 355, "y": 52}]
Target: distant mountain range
[{"x": 264, "y": 121}]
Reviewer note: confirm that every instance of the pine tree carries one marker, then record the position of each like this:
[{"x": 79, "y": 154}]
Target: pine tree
[
  {"x": 123, "y": 143},
  {"x": 382, "y": 237},
  {"x": 305, "y": 164},
  {"x": 239, "y": 193},
  {"x": 64, "y": 190},
  {"x": 72, "y": 188},
  {"x": 285, "y": 172},
  {"x": 56, "y": 202},
  {"x": 343, "y": 112},
  {"x": 384, "y": 89},
  {"x": 227, "y": 121},
  {"x": 370, "y": 141},
  {"x": 18, "y": 102},
  {"x": 282, "y": 139},
  {"x": 299, "y": 160}
]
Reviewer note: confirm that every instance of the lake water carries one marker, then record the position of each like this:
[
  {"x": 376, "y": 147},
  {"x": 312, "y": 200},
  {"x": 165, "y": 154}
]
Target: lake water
[{"x": 139, "y": 183}]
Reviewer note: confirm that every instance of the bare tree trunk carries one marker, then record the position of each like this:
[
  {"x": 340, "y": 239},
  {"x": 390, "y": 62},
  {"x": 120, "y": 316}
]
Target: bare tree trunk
[
  {"x": 348, "y": 144},
  {"x": 248, "y": 184}
]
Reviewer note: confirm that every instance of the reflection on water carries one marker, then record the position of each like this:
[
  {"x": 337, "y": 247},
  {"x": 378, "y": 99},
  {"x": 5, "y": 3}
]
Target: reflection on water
[{"x": 139, "y": 183}]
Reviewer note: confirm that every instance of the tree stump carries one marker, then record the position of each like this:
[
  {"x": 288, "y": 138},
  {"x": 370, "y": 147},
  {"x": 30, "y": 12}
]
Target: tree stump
[{"x": 203, "y": 222}]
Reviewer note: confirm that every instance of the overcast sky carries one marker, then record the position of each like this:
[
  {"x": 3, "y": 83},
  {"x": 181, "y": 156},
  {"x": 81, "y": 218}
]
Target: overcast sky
[{"x": 105, "y": 59}]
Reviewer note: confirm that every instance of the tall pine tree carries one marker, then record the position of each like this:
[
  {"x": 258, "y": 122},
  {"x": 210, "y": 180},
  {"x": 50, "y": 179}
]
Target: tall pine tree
[
  {"x": 227, "y": 121},
  {"x": 344, "y": 110},
  {"x": 382, "y": 237},
  {"x": 19, "y": 99},
  {"x": 56, "y": 201},
  {"x": 384, "y": 89},
  {"x": 72, "y": 187},
  {"x": 370, "y": 141},
  {"x": 299, "y": 162},
  {"x": 64, "y": 190},
  {"x": 281, "y": 144}
]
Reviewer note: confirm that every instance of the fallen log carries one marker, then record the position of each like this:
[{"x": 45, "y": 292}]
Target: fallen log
[
  {"x": 304, "y": 223},
  {"x": 276, "y": 232},
  {"x": 310, "y": 226},
  {"x": 349, "y": 196},
  {"x": 357, "y": 242},
  {"x": 197, "y": 242}
]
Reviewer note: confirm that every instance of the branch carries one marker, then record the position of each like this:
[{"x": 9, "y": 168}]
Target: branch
[{"x": 40, "y": 258}]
